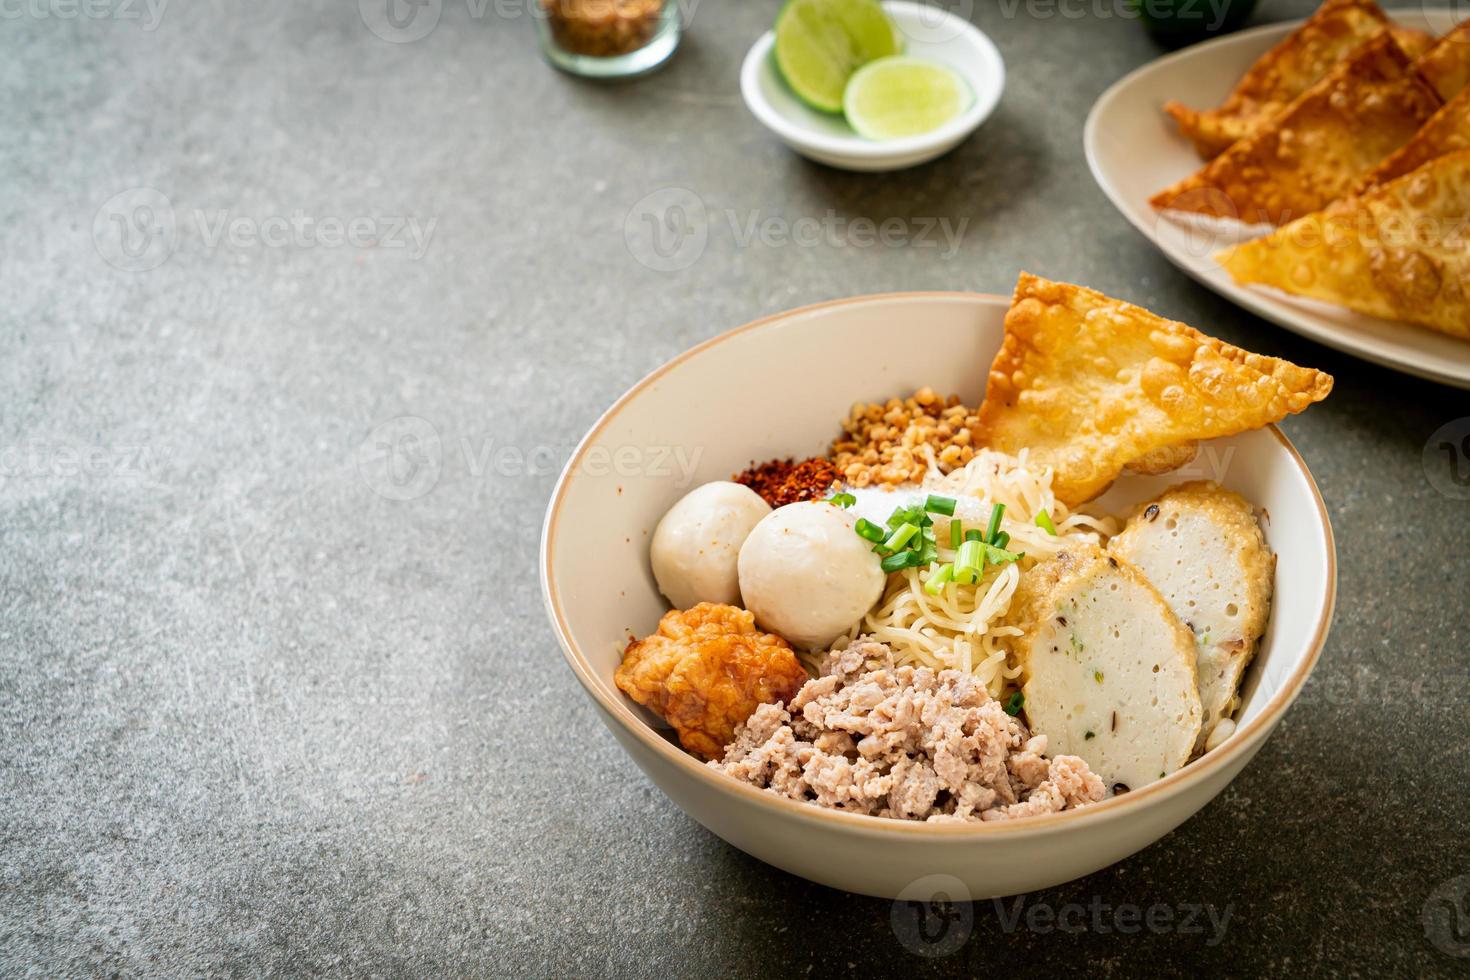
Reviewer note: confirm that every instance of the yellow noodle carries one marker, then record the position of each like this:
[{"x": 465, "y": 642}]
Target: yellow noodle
[{"x": 964, "y": 627}]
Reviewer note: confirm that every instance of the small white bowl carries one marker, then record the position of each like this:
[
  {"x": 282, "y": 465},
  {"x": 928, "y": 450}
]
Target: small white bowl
[
  {"x": 929, "y": 33},
  {"x": 708, "y": 413}
]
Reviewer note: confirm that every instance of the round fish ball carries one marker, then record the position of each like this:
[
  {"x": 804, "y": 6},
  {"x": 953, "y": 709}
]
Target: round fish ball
[
  {"x": 807, "y": 575},
  {"x": 696, "y": 546}
]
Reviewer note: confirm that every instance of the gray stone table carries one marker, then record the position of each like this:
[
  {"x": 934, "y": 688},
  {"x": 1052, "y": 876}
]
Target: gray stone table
[{"x": 259, "y": 715}]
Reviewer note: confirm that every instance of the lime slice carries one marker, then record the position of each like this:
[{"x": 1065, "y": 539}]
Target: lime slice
[
  {"x": 894, "y": 97},
  {"x": 820, "y": 43}
]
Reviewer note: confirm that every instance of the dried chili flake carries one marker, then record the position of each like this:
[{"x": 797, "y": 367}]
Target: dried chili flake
[{"x": 784, "y": 481}]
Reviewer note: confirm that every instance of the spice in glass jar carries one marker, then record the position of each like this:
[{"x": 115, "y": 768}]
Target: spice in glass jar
[{"x": 602, "y": 28}]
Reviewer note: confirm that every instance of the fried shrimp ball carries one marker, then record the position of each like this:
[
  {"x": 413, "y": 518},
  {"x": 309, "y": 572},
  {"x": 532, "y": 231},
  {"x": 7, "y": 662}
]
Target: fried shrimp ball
[{"x": 705, "y": 671}]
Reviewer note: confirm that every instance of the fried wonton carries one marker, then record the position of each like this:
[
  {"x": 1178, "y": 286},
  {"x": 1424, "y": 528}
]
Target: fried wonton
[
  {"x": 1166, "y": 459},
  {"x": 1447, "y": 64},
  {"x": 1414, "y": 43},
  {"x": 1400, "y": 251},
  {"x": 1446, "y": 131},
  {"x": 1090, "y": 384},
  {"x": 1281, "y": 74},
  {"x": 1316, "y": 150}
]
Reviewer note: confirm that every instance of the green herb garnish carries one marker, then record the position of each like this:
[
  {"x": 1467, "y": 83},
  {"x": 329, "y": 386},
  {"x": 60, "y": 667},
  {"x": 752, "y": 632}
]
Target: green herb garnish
[
  {"x": 940, "y": 505},
  {"x": 843, "y": 500},
  {"x": 898, "y": 561},
  {"x": 901, "y": 537},
  {"x": 996, "y": 513},
  {"x": 1043, "y": 521},
  {"x": 969, "y": 563},
  {"x": 936, "y": 581},
  {"x": 910, "y": 541},
  {"x": 1015, "y": 704},
  {"x": 956, "y": 534},
  {"x": 1090, "y": 735},
  {"x": 999, "y": 556}
]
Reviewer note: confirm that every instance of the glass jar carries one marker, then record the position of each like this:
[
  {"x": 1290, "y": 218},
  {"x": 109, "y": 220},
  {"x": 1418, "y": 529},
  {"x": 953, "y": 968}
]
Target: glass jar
[{"x": 608, "y": 38}]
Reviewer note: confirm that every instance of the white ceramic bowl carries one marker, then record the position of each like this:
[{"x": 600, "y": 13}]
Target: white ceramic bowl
[
  {"x": 928, "y": 32},
  {"x": 780, "y": 387}
]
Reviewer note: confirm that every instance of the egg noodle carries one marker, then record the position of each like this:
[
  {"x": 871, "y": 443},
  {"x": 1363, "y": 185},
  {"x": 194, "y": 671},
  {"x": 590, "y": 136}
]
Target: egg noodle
[{"x": 964, "y": 627}]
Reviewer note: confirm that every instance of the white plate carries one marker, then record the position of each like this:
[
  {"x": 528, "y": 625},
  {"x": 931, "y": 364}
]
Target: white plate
[
  {"x": 929, "y": 33},
  {"x": 1135, "y": 151}
]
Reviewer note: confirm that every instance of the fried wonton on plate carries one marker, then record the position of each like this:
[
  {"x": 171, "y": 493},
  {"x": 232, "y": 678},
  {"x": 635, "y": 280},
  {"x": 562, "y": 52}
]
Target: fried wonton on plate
[
  {"x": 1090, "y": 384},
  {"x": 1401, "y": 251},
  {"x": 1447, "y": 64},
  {"x": 1281, "y": 74},
  {"x": 1317, "y": 149},
  {"x": 1446, "y": 131}
]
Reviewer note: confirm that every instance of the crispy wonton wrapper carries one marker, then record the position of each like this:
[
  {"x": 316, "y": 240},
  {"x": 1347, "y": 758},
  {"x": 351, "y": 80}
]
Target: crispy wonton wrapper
[
  {"x": 1317, "y": 150},
  {"x": 1281, "y": 74},
  {"x": 1090, "y": 384},
  {"x": 1446, "y": 131},
  {"x": 1447, "y": 63},
  {"x": 1400, "y": 251}
]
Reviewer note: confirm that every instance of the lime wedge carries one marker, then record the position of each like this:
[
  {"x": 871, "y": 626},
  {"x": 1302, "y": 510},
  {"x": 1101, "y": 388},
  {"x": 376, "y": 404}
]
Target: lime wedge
[
  {"x": 820, "y": 43},
  {"x": 894, "y": 97}
]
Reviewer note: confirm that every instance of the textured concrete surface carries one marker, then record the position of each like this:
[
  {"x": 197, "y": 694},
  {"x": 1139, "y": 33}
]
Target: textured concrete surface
[{"x": 271, "y": 701}]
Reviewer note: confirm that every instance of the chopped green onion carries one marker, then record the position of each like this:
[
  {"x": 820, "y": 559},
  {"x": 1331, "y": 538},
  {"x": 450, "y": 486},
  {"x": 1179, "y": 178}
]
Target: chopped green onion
[
  {"x": 1002, "y": 539},
  {"x": 901, "y": 537},
  {"x": 936, "y": 581},
  {"x": 996, "y": 513},
  {"x": 1097, "y": 676},
  {"x": 899, "y": 561},
  {"x": 956, "y": 534},
  {"x": 1090, "y": 735},
  {"x": 975, "y": 534},
  {"x": 971, "y": 555},
  {"x": 843, "y": 500},
  {"x": 1015, "y": 704},
  {"x": 1043, "y": 521},
  {"x": 906, "y": 515},
  {"x": 867, "y": 529},
  {"x": 940, "y": 505}
]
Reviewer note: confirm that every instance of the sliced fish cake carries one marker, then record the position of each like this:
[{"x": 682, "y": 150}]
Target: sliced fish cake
[
  {"x": 1108, "y": 672},
  {"x": 1202, "y": 548}
]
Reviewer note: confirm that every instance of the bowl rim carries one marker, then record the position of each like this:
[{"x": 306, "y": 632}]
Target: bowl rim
[
  {"x": 854, "y": 147},
  {"x": 617, "y": 708}
]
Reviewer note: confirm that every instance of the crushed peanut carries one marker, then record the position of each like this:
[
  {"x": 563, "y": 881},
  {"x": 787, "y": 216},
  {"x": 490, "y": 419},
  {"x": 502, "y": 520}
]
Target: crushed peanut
[{"x": 885, "y": 443}]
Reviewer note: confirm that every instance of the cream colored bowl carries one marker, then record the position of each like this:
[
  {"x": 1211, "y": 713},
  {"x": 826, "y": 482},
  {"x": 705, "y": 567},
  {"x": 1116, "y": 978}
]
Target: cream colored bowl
[{"x": 780, "y": 387}]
